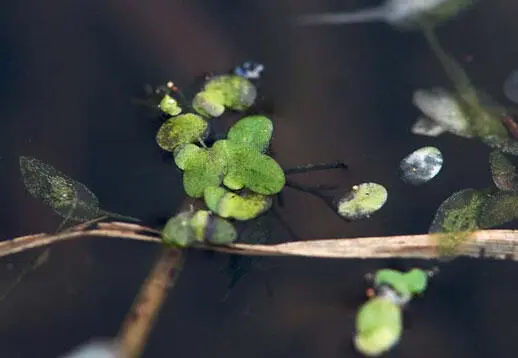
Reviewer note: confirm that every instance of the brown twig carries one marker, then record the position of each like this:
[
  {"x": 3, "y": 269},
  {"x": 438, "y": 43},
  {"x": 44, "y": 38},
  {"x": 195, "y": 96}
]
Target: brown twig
[{"x": 494, "y": 244}]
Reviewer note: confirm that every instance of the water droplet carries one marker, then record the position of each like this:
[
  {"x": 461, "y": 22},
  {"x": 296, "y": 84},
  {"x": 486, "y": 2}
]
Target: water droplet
[{"x": 421, "y": 165}]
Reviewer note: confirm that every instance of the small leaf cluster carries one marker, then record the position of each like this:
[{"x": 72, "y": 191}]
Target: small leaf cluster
[
  {"x": 379, "y": 321},
  {"x": 234, "y": 176}
]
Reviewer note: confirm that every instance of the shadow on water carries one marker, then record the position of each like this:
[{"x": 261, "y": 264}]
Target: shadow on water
[{"x": 68, "y": 72}]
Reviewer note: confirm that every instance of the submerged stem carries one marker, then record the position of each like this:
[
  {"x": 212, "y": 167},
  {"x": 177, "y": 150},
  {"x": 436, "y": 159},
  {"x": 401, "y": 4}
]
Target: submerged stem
[{"x": 315, "y": 167}]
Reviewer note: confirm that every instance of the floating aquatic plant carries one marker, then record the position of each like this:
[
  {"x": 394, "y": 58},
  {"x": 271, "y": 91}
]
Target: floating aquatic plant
[
  {"x": 68, "y": 198},
  {"x": 362, "y": 201},
  {"x": 379, "y": 321},
  {"x": 421, "y": 165}
]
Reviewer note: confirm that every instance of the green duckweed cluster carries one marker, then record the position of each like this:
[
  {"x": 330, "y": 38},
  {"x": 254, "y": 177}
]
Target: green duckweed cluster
[{"x": 234, "y": 176}]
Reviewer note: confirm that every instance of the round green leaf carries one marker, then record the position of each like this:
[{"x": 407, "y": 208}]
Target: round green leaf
[
  {"x": 209, "y": 103},
  {"x": 180, "y": 130},
  {"x": 378, "y": 326},
  {"x": 362, "y": 201},
  {"x": 169, "y": 105},
  {"x": 252, "y": 131}
]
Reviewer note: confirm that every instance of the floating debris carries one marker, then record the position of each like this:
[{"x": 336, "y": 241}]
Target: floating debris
[
  {"x": 511, "y": 87},
  {"x": 421, "y": 165},
  {"x": 362, "y": 201},
  {"x": 68, "y": 198},
  {"x": 249, "y": 70}
]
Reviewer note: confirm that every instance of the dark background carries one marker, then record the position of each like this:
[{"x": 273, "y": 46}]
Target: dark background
[{"x": 67, "y": 72}]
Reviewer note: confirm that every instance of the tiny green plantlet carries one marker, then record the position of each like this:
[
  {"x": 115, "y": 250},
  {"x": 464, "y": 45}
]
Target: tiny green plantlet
[
  {"x": 68, "y": 198},
  {"x": 379, "y": 321}
]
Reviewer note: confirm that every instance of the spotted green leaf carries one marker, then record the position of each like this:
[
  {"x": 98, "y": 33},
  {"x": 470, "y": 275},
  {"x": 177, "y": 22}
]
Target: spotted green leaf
[
  {"x": 457, "y": 216},
  {"x": 231, "y": 205},
  {"x": 68, "y": 198},
  {"x": 378, "y": 326},
  {"x": 180, "y": 130},
  {"x": 252, "y": 131},
  {"x": 362, "y": 201},
  {"x": 186, "y": 155}
]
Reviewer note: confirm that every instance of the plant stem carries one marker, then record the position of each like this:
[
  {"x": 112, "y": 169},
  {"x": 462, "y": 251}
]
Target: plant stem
[{"x": 315, "y": 167}]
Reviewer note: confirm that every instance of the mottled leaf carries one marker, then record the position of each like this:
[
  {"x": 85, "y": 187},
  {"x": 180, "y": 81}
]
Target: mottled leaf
[
  {"x": 498, "y": 209},
  {"x": 503, "y": 172},
  {"x": 203, "y": 168},
  {"x": 362, "y": 201},
  {"x": 180, "y": 130},
  {"x": 252, "y": 131}
]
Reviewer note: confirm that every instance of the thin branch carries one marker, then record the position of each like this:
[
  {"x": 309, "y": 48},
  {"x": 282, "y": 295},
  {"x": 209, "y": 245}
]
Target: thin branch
[{"x": 498, "y": 244}]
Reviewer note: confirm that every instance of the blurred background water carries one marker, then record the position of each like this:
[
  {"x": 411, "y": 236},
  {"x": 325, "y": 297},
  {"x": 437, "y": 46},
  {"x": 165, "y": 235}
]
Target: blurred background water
[{"x": 68, "y": 70}]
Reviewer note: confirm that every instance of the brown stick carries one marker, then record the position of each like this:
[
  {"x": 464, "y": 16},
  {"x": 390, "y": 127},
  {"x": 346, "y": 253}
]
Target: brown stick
[{"x": 494, "y": 243}]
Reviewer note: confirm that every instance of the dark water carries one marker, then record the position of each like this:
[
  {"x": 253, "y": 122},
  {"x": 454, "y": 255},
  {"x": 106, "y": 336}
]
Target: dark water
[{"x": 68, "y": 70}]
